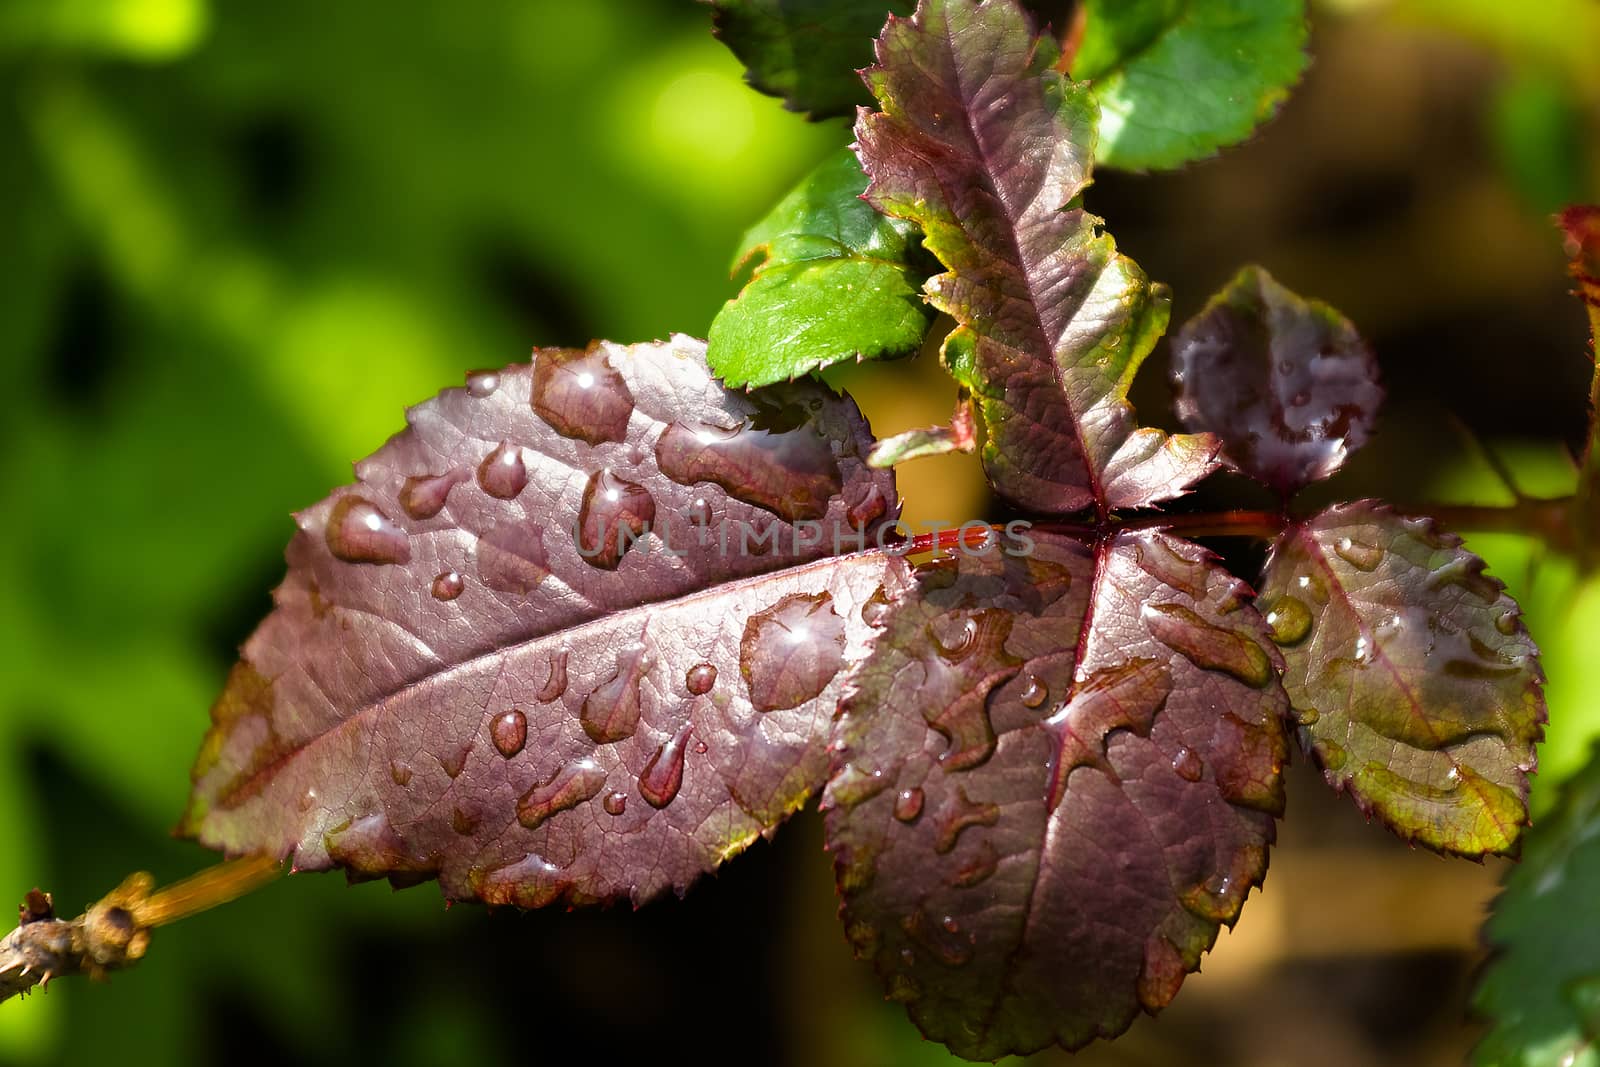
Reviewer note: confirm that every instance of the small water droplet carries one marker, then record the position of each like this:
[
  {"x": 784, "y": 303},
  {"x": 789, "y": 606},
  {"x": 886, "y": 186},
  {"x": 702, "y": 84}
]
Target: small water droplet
[
  {"x": 701, "y": 746},
  {"x": 358, "y": 532},
  {"x": 854, "y": 785},
  {"x": 1034, "y": 692},
  {"x": 791, "y": 651},
  {"x": 555, "y": 682},
  {"x": 699, "y": 513},
  {"x": 956, "y": 815},
  {"x": 700, "y": 679},
  {"x": 308, "y": 799},
  {"x": 464, "y": 821},
  {"x": 614, "y": 514},
  {"x": 509, "y": 731},
  {"x": 581, "y": 395},
  {"x": 482, "y": 383},
  {"x": 611, "y": 712},
  {"x": 423, "y": 496},
  {"x": 1188, "y": 765},
  {"x": 1290, "y": 621},
  {"x": 1506, "y": 622},
  {"x": 950, "y": 925},
  {"x": 511, "y": 559},
  {"x": 448, "y": 585},
  {"x": 876, "y": 608},
  {"x": 663, "y": 775},
  {"x": 456, "y": 762},
  {"x": 400, "y": 772},
  {"x": 1306, "y": 716},
  {"x": 1358, "y": 554},
  {"x": 1332, "y": 753},
  {"x": 570, "y": 786},
  {"x": 908, "y": 804},
  {"x": 615, "y": 803},
  {"x": 503, "y": 474}
]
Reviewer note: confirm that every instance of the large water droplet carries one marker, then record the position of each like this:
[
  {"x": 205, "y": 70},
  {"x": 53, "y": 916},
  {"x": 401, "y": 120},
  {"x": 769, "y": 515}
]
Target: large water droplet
[
  {"x": 502, "y": 473},
  {"x": 358, "y": 532},
  {"x": 580, "y": 394},
  {"x": 567, "y": 788},
  {"x": 511, "y": 559},
  {"x": 614, "y": 514},
  {"x": 663, "y": 775},
  {"x": 1290, "y": 621},
  {"x": 555, "y": 682},
  {"x": 1358, "y": 554},
  {"x": 1206, "y": 646},
  {"x": 1034, "y": 691},
  {"x": 448, "y": 586},
  {"x": 957, "y": 814},
  {"x": 700, "y": 679},
  {"x": 908, "y": 804},
  {"x": 482, "y": 383},
  {"x": 791, "y": 651},
  {"x": 615, "y": 803},
  {"x": 777, "y": 460},
  {"x": 509, "y": 731},
  {"x": 424, "y": 495},
  {"x": 611, "y": 712}
]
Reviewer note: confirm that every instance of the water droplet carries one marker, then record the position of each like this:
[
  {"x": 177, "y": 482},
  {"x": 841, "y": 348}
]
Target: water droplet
[
  {"x": 614, "y": 514},
  {"x": 615, "y": 803},
  {"x": 570, "y": 786},
  {"x": 555, "y": 682},
  {"x": 456, "y": 762},
  {"x": 791, "y": 651},
  {"x": 875, "y": 611},
  {"x": 1358, "y": 554},
  {"x": 358, "y": 532},
  {"x": 1188, "y": 765},
  {"x": 950, "y": 925},
  {"x": 1506, "y": 622},
  {"x": 509, "y": 731},
  {"x": 778, "y": 460},
  {"x": 1206, "y": 646},
  {"x": 611, "y": 712},
  {"x": 400, "y": 772},
  {"x": 871, "y": 508},
  {"x": 1332, "y": 753},
  {"x": 482, "y": 383},
  {"x": 953, "y": 635},
  {"x": 700, "y": 679},
  {"x": 502, "y": 473},
  {"x": 700, "y": 513},
  {"x": 581, "y": 395},
  {"x": 308, "y": 799},
  {"x": 663, "y": 775},
  {"x": 1306, "y": 716},
  {"x": 701, "y": 746},
  {"x": 982, "y": 863},
  {"x": 424, "y": 495},
  {"x": 1290, "y": 621},
  {"x": 908, "y": 804},
  {"x": 1034, "y": 692},
  {"x": 950, "y": 948},
  {"x": 956, "y": 815},
  {"x": 464, "y": 821},
  {"x": 511, "y": 559},
  {"x": 448, "y": 586}
]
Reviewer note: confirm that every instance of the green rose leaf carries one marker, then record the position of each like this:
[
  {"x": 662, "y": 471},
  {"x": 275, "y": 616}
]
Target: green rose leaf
[
  {"x": 832, "y": 283},
  {"x": 1179, "y": 79}
]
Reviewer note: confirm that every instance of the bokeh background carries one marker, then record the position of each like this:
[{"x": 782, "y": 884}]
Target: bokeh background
[{"x": 236, "y": 238}]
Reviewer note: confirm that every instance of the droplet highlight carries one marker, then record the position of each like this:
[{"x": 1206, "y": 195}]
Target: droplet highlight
[
  {"x": 503, "y": 474},
  {"x": 357, "y": 532},
  {"x": 662, "y": 777}
]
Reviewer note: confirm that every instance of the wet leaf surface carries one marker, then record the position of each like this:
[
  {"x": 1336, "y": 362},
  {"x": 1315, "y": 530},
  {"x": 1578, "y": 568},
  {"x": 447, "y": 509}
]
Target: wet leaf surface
[
  {"x": 986, "y": 147},
  {"x": 833, "y": 281},
  {"x": 1287, "y": 383},
  {"x": 527, "y": 652},
  {"x": 1413, "y": 679},
  {"x": 1054, "y": 777}
]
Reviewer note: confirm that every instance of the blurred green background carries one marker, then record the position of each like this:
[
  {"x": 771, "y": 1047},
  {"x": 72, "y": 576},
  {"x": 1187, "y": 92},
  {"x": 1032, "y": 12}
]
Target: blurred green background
[{"x": 237, "y": 238}]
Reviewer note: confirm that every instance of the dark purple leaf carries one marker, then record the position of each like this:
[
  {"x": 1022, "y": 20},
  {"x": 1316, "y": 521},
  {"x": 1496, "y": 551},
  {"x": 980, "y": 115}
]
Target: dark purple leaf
[
  {"x": 986, "y": 147},
  {"x": 1287, "y": 383},
  {"x": 1414, "y": 681},
  {"x": 485, "y": 665},
  {"x": 1054, "y": 777}
]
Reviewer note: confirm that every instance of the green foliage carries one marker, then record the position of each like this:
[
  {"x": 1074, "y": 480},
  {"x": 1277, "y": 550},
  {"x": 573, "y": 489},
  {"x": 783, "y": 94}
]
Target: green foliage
[
  {"x": 1179, "y": 79},
  {"x": 805, "y": 51},
  {"x": 833, "y": 281},
  {"x": 1541, "y": 991}
]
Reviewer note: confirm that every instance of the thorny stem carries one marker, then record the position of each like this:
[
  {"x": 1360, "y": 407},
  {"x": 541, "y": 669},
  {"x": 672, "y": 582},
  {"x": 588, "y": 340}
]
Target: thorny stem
[{"x": 114, "y": 932}]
